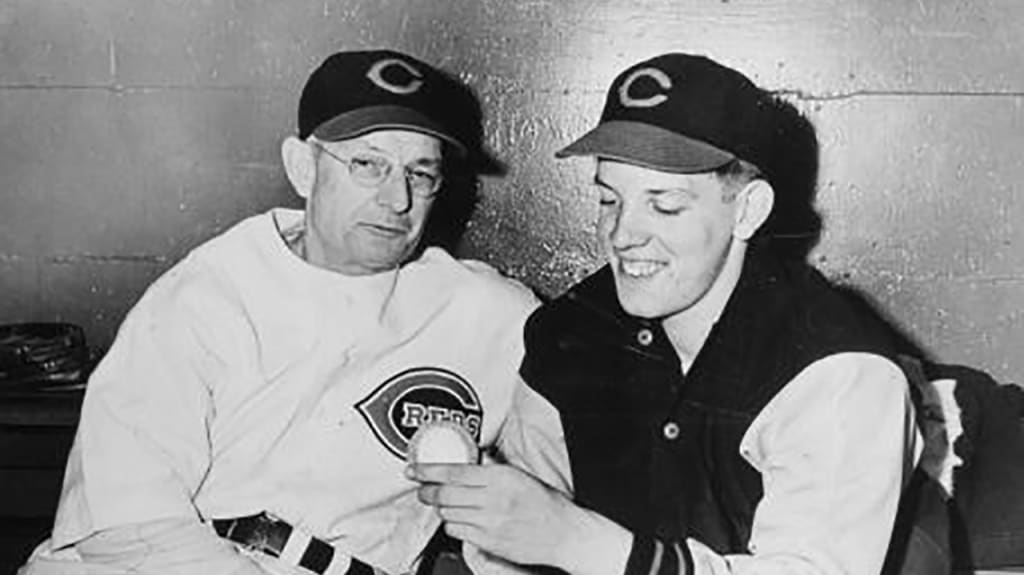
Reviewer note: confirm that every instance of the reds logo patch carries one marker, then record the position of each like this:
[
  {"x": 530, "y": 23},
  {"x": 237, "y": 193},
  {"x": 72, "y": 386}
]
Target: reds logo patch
[{"x": 400, "y": 405}]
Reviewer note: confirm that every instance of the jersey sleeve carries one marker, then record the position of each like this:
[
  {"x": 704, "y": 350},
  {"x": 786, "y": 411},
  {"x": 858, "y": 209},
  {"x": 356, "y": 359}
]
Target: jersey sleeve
[
  {"x": 165, "y": 546},
  {"x": 833, "y": 450},
  {"x": 168, "y": 547},
  {"x": 142, "y": 447}
]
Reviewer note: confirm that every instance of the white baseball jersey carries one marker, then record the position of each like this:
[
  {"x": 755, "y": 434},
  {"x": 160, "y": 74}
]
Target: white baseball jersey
[{"x": 247, "y": 380}]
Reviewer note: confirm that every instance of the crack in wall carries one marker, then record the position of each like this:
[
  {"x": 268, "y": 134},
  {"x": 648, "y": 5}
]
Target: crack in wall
[
  {"x": 71, "y": 259},
  {"x": 145, "y": 88},
  {"x": 852, "y": 94}
]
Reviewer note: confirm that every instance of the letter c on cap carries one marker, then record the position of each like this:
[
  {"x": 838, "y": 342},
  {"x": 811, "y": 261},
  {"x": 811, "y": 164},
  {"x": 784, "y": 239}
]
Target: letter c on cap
[
  {"x": 657, "y": 75},
  {"x": 376, "y": 75}
]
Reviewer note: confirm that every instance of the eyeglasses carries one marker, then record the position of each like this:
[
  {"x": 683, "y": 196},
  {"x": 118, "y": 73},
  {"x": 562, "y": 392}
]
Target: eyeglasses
[{"x": 371, "y": 170}]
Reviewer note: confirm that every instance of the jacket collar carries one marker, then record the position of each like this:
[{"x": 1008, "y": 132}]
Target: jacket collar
[{"x": 721, "y": 374}]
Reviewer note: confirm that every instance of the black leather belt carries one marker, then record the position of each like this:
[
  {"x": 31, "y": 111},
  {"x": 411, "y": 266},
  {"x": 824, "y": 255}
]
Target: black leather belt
[{"x": 268, "y": 534}]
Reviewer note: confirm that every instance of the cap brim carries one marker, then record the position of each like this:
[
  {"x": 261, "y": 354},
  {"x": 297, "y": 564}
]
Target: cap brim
[
  {"x": 648, "y": 146},
  {"x": 370, "y": 119}
]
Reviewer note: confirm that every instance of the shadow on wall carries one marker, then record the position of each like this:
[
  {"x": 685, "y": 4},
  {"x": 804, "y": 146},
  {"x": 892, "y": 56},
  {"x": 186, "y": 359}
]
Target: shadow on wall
[
  {"x": 454, "y": 206},
  {"x": 903, "y": 342},
  {"x": 794, "y": 226}
]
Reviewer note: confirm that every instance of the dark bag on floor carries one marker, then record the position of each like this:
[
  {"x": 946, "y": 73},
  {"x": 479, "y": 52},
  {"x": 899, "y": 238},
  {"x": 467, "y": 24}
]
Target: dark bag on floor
[{"x": 980, "y": 525}]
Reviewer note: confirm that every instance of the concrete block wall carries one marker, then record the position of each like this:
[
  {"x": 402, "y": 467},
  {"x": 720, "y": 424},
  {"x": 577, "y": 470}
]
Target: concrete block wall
[{"x": 132, "y": 130}]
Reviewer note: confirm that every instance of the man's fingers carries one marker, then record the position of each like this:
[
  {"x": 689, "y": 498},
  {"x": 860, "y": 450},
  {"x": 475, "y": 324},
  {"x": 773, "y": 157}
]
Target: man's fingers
[
  {"x": 463, "y": 532},
  {"x": 428, "y": 494},
  {"x": 448, "y": 473},
  {"x": 468, "y": 517},
  {"x": 440, "y": 495}
]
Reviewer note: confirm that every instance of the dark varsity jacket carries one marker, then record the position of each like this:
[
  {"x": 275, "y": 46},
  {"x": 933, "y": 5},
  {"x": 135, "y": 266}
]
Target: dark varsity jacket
[{"x": 657, "y": 451}]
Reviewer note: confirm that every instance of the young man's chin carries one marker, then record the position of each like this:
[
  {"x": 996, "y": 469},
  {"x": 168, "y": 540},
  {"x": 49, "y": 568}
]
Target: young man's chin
[{"x": 638, "y": 302}]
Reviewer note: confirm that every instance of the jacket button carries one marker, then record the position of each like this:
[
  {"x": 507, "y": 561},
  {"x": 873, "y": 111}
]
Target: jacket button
[
  {"x": 645, "y": 336},
  {"x": 670, "y": 431}
]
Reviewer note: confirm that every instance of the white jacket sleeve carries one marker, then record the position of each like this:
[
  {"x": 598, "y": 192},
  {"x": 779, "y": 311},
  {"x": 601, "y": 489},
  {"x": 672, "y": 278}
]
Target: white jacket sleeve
[
  {"x": 531, "y": 439},
  {"x": 832, "y": 449}
]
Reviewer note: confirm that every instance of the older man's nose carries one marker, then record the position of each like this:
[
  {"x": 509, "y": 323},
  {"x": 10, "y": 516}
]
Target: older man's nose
[{"x": 394, "y": 193}]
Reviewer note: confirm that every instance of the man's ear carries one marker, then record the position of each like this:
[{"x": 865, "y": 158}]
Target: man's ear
[
  {"x": 755, "y": 203},
  {"x": 299, "y": 164}
]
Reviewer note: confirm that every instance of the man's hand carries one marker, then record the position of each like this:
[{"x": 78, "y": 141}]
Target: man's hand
[{"x": 509, "y": 513}]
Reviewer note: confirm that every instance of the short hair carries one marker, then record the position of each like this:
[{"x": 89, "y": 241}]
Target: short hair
[{"x": 734, "y": 175}]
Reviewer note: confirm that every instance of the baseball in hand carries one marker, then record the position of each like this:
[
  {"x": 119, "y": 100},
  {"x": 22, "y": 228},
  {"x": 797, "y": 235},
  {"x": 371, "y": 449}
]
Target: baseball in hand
[{"x": 442, "y": 442}]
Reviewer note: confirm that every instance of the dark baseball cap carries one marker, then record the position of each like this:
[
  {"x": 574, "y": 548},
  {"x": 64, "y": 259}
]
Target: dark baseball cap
[
  {"x": 353, "y": 93},
  {"x": 680, "y": 113}
]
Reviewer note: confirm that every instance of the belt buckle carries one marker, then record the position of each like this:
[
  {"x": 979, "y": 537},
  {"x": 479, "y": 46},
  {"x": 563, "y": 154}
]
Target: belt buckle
[{"x": 269, "y": 534}]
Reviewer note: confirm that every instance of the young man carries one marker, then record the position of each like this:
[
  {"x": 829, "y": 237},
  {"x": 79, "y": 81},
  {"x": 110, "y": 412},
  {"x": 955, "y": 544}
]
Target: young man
[
  {"x": 255, "y": 412},
  {"x": 724, "y": 411}
]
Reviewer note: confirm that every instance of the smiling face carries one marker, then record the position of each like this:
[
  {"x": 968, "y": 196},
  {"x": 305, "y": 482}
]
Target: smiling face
[
  {"x": 360, "y": 229},
  {"x": 667, "y": 236}
]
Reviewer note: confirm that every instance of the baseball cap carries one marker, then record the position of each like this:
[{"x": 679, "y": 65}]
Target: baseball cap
[
  {"x": 680, "y": 113},
  {"x": 356, "y": 92}
]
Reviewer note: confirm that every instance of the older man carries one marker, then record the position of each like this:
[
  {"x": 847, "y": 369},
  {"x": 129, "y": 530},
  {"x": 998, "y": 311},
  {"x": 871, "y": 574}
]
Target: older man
[{"x": 256, "y": 409}]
